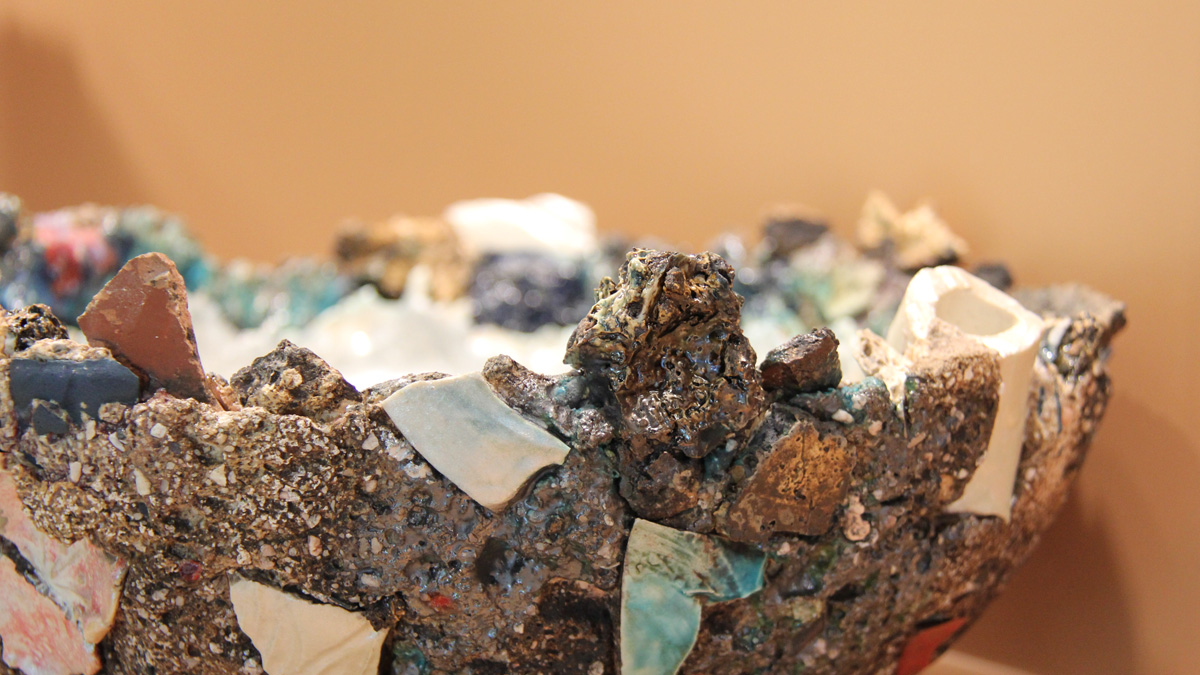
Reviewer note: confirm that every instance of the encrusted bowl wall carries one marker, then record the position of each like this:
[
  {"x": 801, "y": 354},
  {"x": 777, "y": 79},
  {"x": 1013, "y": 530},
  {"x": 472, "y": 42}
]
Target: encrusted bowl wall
[{"x": 670, "y": 501}]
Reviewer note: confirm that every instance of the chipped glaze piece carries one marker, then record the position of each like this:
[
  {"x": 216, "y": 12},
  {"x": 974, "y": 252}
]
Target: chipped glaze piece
[
  {"x": 997, "y": 321},
  {"x": 298, "y": 637},
  {"x": 545, "y": 223},
  {"x": 142, "y": 317},
  {"x": 926, "y": 645},
  {"x": 82, "y": 579},
  {"x": 38, "y": 638},
  {"x": 467, "y": 433},
  {"x": 668, "y": 574}
]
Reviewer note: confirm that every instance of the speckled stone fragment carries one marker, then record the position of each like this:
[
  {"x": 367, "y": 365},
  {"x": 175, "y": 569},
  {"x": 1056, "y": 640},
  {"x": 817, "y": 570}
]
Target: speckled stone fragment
[
  {"x": 470, "y": 436},
  {"x": 142, "y": 317},
  {"x": 805, "y": 363},
  {"x": 566, "y": 404},
  {"x": 666, "y": 340},
  {"x": 292, "y": 380},
  {"x": 29, "y": 324},
  {"x": 77, "y": 387},
  {"x": 796, "y": 488},
  {"x": 951, "y": 395}
]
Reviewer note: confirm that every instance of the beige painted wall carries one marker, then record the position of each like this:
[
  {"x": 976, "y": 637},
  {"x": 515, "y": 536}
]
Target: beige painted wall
[{"x": 1063, "y": 139}]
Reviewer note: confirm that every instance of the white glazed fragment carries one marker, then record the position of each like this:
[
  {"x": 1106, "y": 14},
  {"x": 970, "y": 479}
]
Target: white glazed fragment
[
  {"x": 298, "y": 637},
  {"x": 996, "y": 320},
  {"x": 476, "y": 441},
  {"x": 545, "y": 223}
]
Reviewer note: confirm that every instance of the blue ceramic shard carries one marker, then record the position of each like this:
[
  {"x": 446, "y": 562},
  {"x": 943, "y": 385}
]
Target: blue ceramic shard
[
  {"x": 77, "y": 387},
  {"x": 668, "y": 575}
]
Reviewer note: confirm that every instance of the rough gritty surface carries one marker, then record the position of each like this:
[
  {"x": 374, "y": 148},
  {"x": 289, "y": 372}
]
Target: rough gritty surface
[
  {"x": 665, "y": 339},
  {"x": 27, "y": 325},
  {"x": 309, "y": 487},
  {"x": 292, "y": 380}
]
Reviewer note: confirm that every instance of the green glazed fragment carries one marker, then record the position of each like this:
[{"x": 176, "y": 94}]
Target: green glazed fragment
[{"x": 669, "y": 574}]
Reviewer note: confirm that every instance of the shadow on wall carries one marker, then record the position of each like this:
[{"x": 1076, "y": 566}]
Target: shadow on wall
[
  {"x": 1068, "y": 610},
  {"x": 1064, "y": 611},
  {"x": 55, "y": 147}
]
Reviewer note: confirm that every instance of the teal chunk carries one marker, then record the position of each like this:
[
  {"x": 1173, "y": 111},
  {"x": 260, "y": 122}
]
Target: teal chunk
[{"x": 669, "y": 575}]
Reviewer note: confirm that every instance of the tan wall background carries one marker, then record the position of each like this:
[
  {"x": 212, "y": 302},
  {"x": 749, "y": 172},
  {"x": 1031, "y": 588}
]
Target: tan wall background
[{"x": 1064, "y": 139}]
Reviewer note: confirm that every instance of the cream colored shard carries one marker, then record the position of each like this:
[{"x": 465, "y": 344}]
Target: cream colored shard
[
  {"x": 997, "y": 321},
  {"x": 298, "y": 637},
  {"x": 918, "y": 237},
  {"x": 468, "y": 434}
]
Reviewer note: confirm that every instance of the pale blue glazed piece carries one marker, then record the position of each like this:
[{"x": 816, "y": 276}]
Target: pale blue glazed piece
[
  {"x": 468, "y": 434},
  {"x": 668, "y": 575}
]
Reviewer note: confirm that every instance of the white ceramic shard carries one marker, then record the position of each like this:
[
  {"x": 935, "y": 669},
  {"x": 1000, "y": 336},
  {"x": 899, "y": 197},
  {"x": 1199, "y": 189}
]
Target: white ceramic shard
[
  {"x": 298, "y": 637},
  {"x": 996, "y": 320},
  {"x": 476, "y": 441},
  {"x": 84, "y": 580},
  {"x": 545, "y": 223},
  {"x": 38, "y": 638}
]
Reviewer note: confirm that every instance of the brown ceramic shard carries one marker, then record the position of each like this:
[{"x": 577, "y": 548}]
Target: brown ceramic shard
[
  {"x": 805, "y": 363},
  {"x": 797, "y": 488},
  {"x": 142, "y": 317}
]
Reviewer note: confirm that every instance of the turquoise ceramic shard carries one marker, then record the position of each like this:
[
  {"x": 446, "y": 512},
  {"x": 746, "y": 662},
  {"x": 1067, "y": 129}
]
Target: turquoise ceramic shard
[
  {"x": 669, "y": 573},
  {"x": 468, "y": 434}
]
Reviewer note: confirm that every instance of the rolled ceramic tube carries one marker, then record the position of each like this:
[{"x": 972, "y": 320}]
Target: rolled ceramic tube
[{"x": 996, "y": 320}]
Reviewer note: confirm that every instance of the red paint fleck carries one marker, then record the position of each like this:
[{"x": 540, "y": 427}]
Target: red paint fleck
[
  {"x": 925, "y": 646},
  {"x": 190, "y": 570},
  {"x": 65, "y": 270},
  {"x": 440, "y": 602}
]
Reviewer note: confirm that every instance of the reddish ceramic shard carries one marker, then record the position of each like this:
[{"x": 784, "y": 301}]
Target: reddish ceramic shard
[
  {"x": 926, "y": 645},
  {"x": 38, "y": 637},
  {"x": 82, "y": 579},
  {"x": 142, "y": 317}
]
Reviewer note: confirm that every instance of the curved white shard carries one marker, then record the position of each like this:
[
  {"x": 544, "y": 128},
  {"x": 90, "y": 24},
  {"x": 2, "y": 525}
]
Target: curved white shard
[
  {"x": 996, "y": 320},
  {"x": 298, "y": 637},
  {"x": 468, "y": 434},
  {"x": 545, "y": 223}
]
